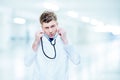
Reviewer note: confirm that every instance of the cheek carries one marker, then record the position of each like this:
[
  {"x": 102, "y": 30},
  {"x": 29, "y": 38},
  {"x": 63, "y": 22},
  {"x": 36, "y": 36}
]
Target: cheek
[{"x": 55, "y": 29}]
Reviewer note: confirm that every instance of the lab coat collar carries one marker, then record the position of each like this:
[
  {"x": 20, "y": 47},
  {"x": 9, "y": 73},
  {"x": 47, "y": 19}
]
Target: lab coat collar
[{"x": 53, "y": 37}]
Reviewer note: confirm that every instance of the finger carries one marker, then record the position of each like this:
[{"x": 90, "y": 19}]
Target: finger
[
  {"x": 57, "y": 28},
  {"x": 41, "y": 32},
  {"x": 59, "y": 31}
]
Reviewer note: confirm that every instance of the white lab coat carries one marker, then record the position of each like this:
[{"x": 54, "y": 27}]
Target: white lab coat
[{"x": 52, "y": 69}]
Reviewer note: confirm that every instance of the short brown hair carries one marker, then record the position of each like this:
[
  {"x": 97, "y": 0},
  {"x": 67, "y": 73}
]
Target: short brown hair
[{"x": 47, "y": 16}]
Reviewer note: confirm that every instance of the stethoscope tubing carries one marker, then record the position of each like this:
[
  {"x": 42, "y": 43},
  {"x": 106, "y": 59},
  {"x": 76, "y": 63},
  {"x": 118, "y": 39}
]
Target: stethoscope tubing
[{"x": 53, "y": 44}]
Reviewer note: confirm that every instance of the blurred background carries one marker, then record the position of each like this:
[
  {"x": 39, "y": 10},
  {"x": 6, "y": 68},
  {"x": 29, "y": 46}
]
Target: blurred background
[{"x": 93, "y": 26}]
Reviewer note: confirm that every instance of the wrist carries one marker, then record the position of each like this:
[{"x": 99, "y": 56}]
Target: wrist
[
  {"x": 65, "y": 42},
  {"x": 37, "y": 40}
]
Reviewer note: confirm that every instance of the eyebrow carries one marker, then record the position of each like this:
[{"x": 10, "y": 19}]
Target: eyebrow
[{"x": 51, "y": 25}]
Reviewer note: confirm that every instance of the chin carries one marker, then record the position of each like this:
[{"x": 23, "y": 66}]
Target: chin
[{"x": 50, "y": 36}]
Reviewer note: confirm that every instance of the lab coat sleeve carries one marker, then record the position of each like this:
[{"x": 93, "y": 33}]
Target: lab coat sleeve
[
  {"x": 29, "y": 58},
  {"x": 72, "y": 54}
]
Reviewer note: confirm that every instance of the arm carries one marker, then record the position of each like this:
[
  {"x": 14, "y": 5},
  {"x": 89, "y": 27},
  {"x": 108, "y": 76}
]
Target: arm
[
  {"x": 29, "y": 58},
  {"x": 72, "y": 54},
  {"x": 35, "y": 45},
  {"x": 31, "y": 55},
  {"x": 36, "y": 42}
]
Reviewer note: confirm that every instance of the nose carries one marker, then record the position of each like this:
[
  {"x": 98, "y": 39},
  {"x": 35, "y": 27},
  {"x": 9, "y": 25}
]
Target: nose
[{"x": 50, "y": 30}]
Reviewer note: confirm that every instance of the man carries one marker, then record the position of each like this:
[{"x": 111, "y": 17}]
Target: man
[{"x": 51, "y": 50}]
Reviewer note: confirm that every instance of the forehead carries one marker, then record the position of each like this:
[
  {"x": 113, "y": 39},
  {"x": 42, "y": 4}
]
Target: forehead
[{"x": 49, "y": 23}]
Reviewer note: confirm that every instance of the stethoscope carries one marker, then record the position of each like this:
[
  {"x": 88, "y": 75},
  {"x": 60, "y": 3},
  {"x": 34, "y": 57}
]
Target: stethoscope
[{"x": 53, "y": 44}]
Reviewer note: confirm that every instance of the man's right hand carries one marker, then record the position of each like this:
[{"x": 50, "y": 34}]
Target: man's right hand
[{"x": 36, "y": 42}]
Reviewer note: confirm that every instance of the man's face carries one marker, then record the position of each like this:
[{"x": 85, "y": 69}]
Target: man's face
[{"x": 50, "y": 28}]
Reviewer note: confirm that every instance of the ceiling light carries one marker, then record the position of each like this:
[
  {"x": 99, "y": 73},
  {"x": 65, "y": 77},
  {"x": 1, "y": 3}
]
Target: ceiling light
[
  {"x": 19, "y": 20},
  {"x": 51, "y": 6},
  {"x": 85, "y": 19},
  {"x": 72, "y": 14},
  {"x": 94, "y": 22}
]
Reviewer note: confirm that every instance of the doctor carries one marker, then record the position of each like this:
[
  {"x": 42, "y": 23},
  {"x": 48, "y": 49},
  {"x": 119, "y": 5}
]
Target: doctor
[{"x": 52, "y": 51}]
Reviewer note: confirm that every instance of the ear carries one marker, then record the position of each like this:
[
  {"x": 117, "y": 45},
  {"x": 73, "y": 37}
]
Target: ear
[{"x": 58, "y": 29}]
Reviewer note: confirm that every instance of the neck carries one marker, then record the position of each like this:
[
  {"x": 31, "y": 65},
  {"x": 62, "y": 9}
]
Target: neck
[{"x": 49, "y": 37}]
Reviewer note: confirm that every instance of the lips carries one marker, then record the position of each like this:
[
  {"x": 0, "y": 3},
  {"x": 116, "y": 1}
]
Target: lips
[{"x": 51, "y": 35}]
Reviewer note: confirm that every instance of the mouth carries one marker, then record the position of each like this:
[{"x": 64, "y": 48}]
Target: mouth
[{"x": 51, "y": 35}]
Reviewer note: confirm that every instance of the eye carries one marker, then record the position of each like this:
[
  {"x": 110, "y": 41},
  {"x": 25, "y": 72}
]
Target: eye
[
  {"x": 46, "y": 27},
  {"x": 52, "y": 26}
]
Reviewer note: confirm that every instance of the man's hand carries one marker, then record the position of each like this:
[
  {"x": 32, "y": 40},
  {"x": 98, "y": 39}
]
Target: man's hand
[
  {"x": 63, "y": 35},
  {"x": 36, "y": 42}
]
